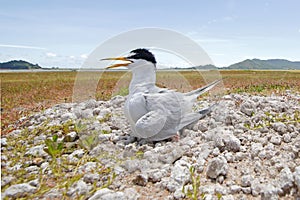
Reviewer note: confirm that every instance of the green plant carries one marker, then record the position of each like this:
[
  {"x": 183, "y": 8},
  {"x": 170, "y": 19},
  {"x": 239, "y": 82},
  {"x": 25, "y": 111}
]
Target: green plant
[
  {"x": 219, "y": 195},
  {"x": 193, "y": 194},
  {"x": 79, "y": 127},
  {"x": 105, "y": 132},
  {"x": 89, "y": 141},
  {"x": 54, "y": 148},
  {"x": 139, "y": 154},
  {"x": 105, "y": 118}
]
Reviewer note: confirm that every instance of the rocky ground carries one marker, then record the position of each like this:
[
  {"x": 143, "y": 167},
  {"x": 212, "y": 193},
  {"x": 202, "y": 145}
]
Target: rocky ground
[{"x": 247, "y": 148}]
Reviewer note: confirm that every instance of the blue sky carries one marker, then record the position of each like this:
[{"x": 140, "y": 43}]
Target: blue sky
[{"x": 63, "y": 32}]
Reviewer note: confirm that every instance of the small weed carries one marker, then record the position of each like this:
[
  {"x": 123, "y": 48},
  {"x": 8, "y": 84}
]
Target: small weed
[
  {"x": 105, "y": 118},
  {"x": 194, "y": 193},
  {"x": 54, "y": 148},
  {"x": 79, "y": 127},
  {"x": 105, "y": 132},
  {"x": 219, "y": 196},
  {"x": 270, "y": 118},
  {"x": 139, "y": 154},
  {"x": 89, "y": 141}
]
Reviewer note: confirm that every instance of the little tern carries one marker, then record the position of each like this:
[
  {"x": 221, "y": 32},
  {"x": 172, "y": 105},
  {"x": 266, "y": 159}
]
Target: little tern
[{"x": 156, "y": 113}]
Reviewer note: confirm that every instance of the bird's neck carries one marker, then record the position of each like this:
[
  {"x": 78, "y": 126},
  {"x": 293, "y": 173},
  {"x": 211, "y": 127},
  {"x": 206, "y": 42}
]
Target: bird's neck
[{"x": 142, "y": 79}]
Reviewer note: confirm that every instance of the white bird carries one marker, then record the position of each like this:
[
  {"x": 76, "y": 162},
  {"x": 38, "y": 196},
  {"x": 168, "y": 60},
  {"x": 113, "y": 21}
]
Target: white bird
[{"x": 156, "y": 113}]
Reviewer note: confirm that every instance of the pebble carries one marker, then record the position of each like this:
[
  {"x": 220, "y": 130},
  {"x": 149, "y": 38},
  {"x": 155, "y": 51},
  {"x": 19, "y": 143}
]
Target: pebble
[
  {"x": 79, "y": 188},
  {"x": 36, "y": 151},
  {"x": 276, "y": 139},
  {"x": 285, "y": 179},
  {"x": 279, "y": 127},
  {"x": 3, "y": 142},
  {"x": 217, "y": 166},
  {"x": 71, "y": 137},
  {"x": 18, "y": 190},
  {"x": 246, "y": 180}
]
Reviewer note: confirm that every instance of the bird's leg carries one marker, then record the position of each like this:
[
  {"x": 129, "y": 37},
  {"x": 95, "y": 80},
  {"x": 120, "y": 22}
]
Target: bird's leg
[{"x": 176, "y": 137}]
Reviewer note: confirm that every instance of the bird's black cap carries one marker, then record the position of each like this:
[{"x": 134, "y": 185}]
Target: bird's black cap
[{"x": 142, "y": 54}]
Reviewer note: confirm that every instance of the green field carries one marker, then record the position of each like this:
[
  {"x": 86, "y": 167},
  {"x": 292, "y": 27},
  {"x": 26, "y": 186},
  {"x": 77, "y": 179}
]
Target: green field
[{"x": 27, "y": 92}]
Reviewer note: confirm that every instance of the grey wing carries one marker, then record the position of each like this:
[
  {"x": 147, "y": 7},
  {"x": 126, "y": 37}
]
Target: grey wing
[
  {"x": 170, "y": 105},
  {"x": 150, "y": 124}
]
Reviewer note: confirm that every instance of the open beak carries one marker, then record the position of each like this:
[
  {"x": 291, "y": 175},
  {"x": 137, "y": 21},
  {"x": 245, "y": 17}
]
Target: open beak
[{"x": 119, "y": 64}]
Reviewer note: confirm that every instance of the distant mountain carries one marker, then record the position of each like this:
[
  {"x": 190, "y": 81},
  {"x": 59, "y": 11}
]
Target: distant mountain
[
  {"x": 206, "y": 67},
  {"x": 18, "y": 64},
  {"x": 279, "y": 64},
  {"x": 255, "y": 64}
]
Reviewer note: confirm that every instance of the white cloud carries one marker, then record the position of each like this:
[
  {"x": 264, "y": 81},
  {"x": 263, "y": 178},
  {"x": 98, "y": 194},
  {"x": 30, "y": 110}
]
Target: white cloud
[
  {"x": 21, "y": 46},
  {"x": 84, "y": 56},
  {"x": 51, "y": 55},
  {"x": 72, "y": 57}
]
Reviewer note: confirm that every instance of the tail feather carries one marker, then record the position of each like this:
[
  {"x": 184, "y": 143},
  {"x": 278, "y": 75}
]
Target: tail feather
[
  {"x": 204, "y": 89},
  {"x": 206, "y": 111}
]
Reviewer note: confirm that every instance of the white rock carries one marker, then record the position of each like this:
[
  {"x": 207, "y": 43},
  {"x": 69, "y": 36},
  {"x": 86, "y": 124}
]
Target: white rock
[
  {"x": 96, "y": 111},
  {"x": 205, "y": 150},
  {"x": 79, "y": 188},
  {"x": 18, "y": 190},
  {"x": 32, "y": 169},
  {"x": 3, "y": 142},
  {"x": 268, "y": 191},
  {"x": 256, "y": 187},
  {"x": 285, "y": 179},
  {"x": 99, "y": 195},
  {"x": 229, "y": 157},
  {"x": 117, "y": 100},
  {"x": 87, "y": 114},
  {"x": 248, "y": 108},
  {"x": 131, "y": 165},
  {"x": 155, "y": 175},
  {"x": 87, "y": 167},
  {"x": 178, "y": 194},
  {"x": 54, "y": 193},
  {"x": 235, "y": 189},
  {"x": 170, "y": 153},
  {"x": 78, "y": 153},
  {"x": 297, "y": 178},
  {"x": 217, "y": 166},
  {"x": 180, "y": 172},
  {"x": 6, "y": 180},
  {"x": 287, "y": 138},
  {"x": 36, "y": 151},
  {"x": 90, "y": 104},
  {"x": 114, "y": 196},
  {"x": 246, "y": 180},
  {"x": 279, "y": 127},
  {"x": 246, "y": 190},
  {"x": 216, "y": 152},
  {"x": 70, "y": 137},
  {"x": 275, "y": 139},
  {"x": 34, "y": 183},
  {"x": 67, "y": 116},
  {"x": 131, "y": 194},
  {"x": 223, "y": 139}
]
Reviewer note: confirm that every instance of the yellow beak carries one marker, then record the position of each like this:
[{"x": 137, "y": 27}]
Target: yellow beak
[{"x": 119, "y": 64}]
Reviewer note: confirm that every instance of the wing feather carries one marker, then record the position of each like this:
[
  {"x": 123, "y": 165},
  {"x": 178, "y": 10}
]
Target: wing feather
[{"x": 150, "y": 124}]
